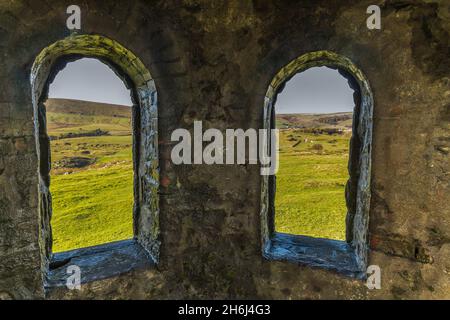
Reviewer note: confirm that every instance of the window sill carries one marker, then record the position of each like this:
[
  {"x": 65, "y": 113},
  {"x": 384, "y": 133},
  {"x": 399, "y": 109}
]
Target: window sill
[
  {"x": 327, "y": 254},
  {"x": 98, "y": 263}
]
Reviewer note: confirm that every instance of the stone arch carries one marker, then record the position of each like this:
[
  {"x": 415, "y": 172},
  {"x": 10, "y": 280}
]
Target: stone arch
[
  {"x": 145, "y": 132},
  {"x": 358, "y": 193}
]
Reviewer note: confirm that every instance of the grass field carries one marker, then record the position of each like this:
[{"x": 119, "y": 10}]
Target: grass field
[
  {"x": 92, "y": 204},
  {"x": 92, "y": 176},
  {"x": 310, "y": 198},
  {"x": 92, "y": 207}
]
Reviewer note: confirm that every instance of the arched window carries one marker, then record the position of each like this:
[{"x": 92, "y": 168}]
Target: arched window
[
  {"x": 99, "y": 161},
  {"x": 315, "y": 210},
  {"x": 314, "y": 116},
  {"x": 89, "y": 121}
]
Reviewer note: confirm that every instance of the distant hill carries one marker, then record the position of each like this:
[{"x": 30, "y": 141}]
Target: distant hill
[
  {"x": 87, "y": 108},
  {"x": 341, "y": 120},
  {"x": 72, "y": 118},
  {"x": 67, "y": 116}
]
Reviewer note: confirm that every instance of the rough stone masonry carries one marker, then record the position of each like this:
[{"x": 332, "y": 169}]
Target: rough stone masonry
[{"x": 213, "y": 61}]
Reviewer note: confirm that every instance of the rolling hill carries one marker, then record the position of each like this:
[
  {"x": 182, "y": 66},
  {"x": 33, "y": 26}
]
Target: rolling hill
[
  {"x": 74, "y": 117},
  {"x": 87, "y": 108},
  {"x": 342, "y": 120}
]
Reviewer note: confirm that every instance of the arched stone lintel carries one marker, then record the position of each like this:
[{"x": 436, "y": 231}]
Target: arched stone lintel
[{"x": 95, "y": 46}]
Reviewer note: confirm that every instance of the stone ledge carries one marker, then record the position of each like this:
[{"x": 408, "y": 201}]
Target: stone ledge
[
  {"x": 98, "y": 263},
  {"x": 328, "y": 254}
]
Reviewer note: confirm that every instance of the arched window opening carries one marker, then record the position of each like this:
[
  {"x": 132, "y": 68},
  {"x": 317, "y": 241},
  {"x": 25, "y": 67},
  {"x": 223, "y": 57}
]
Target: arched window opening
[
  {"x": 315, "y": 210},
  {"x": 89, "y": 122},
  {"x": 98, "y": 162},
  {"x": 314, "y": 113}
]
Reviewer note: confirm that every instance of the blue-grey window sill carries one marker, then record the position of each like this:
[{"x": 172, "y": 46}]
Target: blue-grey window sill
[
  {"x": 98, "y": 263},
  {"x": 328, "y": 254}
]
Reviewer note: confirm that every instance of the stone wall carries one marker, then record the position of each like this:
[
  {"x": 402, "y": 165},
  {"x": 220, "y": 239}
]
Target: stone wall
[{"x": 213, "y": 61}]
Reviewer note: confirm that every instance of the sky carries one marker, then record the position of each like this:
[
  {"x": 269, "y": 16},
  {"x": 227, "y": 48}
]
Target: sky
[
  {"x": 90, "y": 80},
  {"x": 316, "y": 90}
]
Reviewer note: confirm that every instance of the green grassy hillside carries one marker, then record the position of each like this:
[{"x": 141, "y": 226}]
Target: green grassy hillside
[
  {"x": 91, "y": 176},
  {"x": 73, "y": 116},
  {"x": 341, "y": 120},
  {"x": 310, "y": 198},
  {"x": 92, "y": 207}
]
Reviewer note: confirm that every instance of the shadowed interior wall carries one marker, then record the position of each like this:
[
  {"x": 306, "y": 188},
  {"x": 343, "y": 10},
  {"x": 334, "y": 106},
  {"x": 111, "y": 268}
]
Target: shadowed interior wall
[{"x": 213, "y": 61}]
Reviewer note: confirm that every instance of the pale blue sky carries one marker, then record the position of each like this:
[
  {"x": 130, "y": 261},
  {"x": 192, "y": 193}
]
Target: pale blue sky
[
  {"x": 316, "y": 90},
  {"x": 90, "y": 80}
]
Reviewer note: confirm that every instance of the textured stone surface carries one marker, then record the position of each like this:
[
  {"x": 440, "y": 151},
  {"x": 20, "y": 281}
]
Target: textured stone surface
[
  {"x": 328, "y": 254},
  {"x": 100, "y": 262},
  {"x": 213, "y": 61}
]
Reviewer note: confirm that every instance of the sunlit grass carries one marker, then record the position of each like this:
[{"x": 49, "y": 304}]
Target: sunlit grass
[
  {"x": 91, "y": 205},
  {"x": 310, "y": 198}
]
